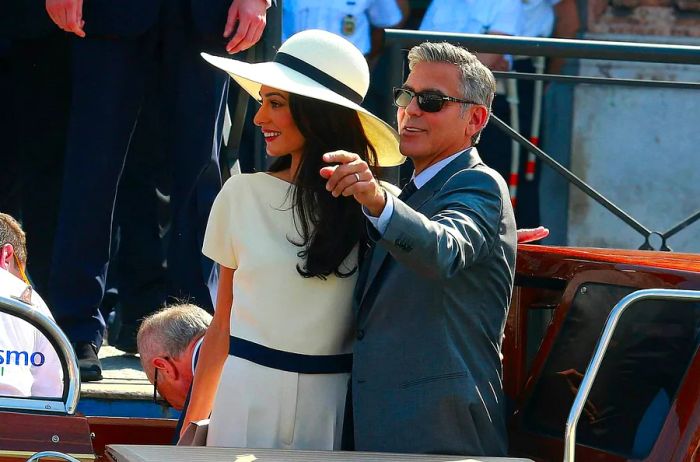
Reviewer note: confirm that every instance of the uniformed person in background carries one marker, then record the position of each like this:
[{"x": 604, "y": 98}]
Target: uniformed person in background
[
  {"x": 497, "y": 17},
  {"x": 541, "y": 18},
  {"x": 351, "y": 19},
  {"x": 544, "y": 18},
  {"x": 355, "y": 21}
]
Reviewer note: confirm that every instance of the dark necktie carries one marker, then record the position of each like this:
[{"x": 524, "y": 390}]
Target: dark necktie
[{"x": 408, "y": 191}]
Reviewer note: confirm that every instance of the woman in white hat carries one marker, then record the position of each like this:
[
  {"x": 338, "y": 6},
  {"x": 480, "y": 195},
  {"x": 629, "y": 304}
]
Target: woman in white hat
[{"x": 275, "y": 362}]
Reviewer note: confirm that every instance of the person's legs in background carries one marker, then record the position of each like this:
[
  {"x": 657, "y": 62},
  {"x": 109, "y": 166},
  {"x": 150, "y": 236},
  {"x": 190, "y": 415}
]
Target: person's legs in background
[
  {"x": 40, "y": 90},
  {"x": 109, "y": 82},
  {"x": 9, "y": 189},
  {"x": 195, "y": 106},
  {"x": 138, "y": 268}
]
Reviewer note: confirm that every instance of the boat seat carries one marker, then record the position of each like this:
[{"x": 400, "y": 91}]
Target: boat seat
[{"x": 133, "y": 453}]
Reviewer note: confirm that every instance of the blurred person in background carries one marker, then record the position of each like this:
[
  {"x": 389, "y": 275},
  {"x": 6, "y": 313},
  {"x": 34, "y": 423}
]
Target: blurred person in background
[
  {"x": 497, "y": 17},
  {"x": 540, "y": 18},
  {"x": 122, "y": 53},
  {"x": 351, "y": 20}
]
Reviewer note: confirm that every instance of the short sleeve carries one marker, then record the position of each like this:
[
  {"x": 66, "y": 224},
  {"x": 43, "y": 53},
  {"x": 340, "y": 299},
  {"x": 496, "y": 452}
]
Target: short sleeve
[
  {"x": 47, "y": 370},
  {"x": 384, "y": 13},
  {"x": 218, "y": 238},
  {"x": 48, "y": 375},
  {"x": 508, "y": 18}
]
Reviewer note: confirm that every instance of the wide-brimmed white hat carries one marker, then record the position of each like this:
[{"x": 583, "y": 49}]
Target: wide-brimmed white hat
[{"x": 323, "y": 66}]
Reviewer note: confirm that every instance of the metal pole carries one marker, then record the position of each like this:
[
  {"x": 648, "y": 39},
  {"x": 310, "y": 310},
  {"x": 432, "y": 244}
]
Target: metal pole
[
  {"x": 682, "y": 225},
  {"x": 596, "y": 80},
  {"x": 53, "y": 455},
  {"x": 560, "y": 169},
  {"x": 559, "y": 48},
  {"x": 514, "y": 176},
  {"x": 531, "y": 165}
]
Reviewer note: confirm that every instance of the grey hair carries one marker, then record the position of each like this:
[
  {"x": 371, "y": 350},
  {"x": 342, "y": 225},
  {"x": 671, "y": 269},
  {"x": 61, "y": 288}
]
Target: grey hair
[
  {"x": 478, "y": 83},
  {"x": 169, "y": 331}
]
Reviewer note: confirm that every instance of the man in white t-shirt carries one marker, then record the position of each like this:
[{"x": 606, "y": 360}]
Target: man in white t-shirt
[{"x": 29, "y": 365}]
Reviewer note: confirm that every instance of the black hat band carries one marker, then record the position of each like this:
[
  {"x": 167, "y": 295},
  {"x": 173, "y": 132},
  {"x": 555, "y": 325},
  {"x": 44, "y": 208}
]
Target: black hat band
[{"x": 318, "y": 75}]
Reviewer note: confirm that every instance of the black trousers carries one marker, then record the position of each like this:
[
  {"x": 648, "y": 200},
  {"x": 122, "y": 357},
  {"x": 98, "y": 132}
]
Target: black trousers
[
  {"x": 38, "y": 90},
  {"x": 112, "y": 78}
]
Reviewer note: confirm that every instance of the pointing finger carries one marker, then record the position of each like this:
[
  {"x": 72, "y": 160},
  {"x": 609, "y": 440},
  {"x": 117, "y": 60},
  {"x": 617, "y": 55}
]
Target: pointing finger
[{"x": 342, "y": 157}]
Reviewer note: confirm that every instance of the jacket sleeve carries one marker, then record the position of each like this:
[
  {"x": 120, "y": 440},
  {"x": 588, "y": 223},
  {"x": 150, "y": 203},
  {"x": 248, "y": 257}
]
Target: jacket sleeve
[{"x": 462, "y": 230}]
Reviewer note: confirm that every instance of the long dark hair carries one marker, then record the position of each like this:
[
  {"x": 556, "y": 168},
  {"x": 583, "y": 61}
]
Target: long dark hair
[{"x": 329, "y": 227}]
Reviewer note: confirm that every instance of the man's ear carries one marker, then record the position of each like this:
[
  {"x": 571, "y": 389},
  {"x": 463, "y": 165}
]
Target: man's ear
[
  {"x": 477, "y": 117},
  {"x": 165, "y": 367},
  {"x": 7, "y": 253}
]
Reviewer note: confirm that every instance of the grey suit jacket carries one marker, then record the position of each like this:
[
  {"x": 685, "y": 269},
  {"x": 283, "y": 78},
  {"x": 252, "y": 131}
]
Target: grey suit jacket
[{"x": 431, "y": 306}]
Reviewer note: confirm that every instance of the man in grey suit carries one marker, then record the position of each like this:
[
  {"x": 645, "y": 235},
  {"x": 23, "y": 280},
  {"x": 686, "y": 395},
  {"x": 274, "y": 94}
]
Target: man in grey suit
[{"x": 435, "y": 286}]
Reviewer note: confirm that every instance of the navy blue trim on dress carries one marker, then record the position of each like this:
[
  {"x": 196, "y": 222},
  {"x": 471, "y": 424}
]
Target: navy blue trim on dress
[
  {"x": 318, "y": 75},
  {"x": 286, "y": 361}
]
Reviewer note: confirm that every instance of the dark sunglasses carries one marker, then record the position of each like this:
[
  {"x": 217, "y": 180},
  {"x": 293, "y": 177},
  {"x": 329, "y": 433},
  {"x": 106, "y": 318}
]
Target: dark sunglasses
[
  {"x": 157, "y": 398},
  {"x": 428, "y": 102}
]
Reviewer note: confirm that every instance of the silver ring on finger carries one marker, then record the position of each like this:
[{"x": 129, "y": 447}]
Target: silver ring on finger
[{"x": 357, "y": 176}]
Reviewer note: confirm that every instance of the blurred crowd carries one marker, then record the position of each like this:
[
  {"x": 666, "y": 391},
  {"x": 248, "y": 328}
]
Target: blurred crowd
[{"x": 113, "y": 127}]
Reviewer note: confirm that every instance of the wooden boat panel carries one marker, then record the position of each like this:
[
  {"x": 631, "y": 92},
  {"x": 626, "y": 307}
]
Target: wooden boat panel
[
  {"x": 549, "y": 279},
  {"x": 22, "y": 435},
  {"x": 122, "y": 430},
  {"x": 648, "y": 258}
]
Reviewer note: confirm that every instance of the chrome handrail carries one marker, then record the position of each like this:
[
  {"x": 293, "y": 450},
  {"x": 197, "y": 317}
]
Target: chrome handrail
[
  {"x": 552, "y": 47},
  {"x": 71, "y": 373},
  {"x": 53, "y": 455},
  {"x": 601, "y": 348}
]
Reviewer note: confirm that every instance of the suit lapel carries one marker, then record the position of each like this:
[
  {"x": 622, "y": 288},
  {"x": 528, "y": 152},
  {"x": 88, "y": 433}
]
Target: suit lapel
[{"x": 418, "y": 200}]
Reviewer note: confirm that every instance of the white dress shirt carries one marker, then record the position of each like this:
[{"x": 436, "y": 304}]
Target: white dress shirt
[{"x": 195, "y": 353}]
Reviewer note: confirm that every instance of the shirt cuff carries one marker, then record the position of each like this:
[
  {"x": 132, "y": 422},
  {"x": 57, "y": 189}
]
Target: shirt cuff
[{"x": 381, "y": 222}]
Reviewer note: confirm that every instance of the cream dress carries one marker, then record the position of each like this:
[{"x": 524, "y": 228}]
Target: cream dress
[{"x": 250, "y": 228}]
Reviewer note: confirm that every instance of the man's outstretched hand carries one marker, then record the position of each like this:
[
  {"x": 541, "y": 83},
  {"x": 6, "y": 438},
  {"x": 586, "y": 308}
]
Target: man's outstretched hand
[
  {"x": 532, "y": 234},
  {"x": 351, "y": 176},
  {"x": 67, "y": 14},
  {"x": 245, "y": 24}
]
